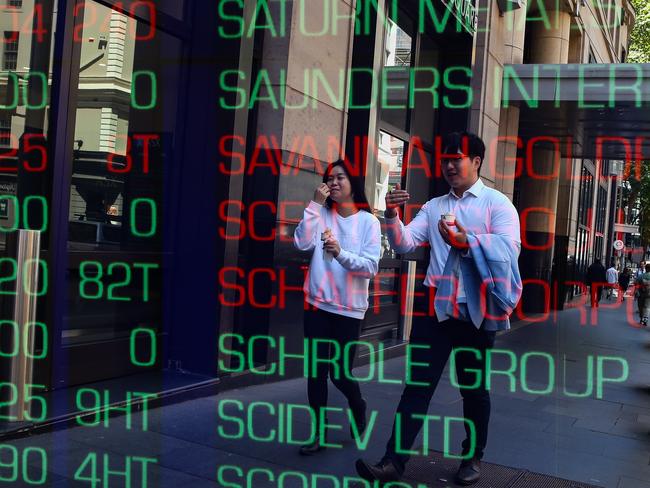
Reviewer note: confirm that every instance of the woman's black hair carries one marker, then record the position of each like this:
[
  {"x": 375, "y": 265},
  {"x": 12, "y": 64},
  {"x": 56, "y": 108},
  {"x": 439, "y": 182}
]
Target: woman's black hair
[{"x": 356, "y": 184}]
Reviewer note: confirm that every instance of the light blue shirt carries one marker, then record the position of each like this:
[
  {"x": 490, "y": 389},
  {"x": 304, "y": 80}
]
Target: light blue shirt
[{"x": 480, "y": 210}]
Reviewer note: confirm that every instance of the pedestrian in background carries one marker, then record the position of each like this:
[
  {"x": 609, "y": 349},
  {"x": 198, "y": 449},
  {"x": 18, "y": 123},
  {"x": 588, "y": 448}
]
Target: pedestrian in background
[
  {"x": 643, "y": 285},
  {"x": 596, "y": 279},
  {"x": 345, "y": 237},
  {"x": 624, "y": 282},
  {"x": 637, "y": 290},
  {"x": 612, "y": 280}
]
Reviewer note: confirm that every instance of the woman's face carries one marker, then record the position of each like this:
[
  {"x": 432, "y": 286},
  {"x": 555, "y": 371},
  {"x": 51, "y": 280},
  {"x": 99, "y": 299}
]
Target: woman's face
[{"x": 339, "y": 185}]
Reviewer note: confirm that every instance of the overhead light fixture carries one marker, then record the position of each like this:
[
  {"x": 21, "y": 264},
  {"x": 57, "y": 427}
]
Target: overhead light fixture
[{"x": 509, "y": 5}]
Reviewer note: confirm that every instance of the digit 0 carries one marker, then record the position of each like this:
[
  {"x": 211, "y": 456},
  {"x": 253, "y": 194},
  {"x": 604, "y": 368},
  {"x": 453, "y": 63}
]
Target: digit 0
[
  {"x": 16, "y": 89},
  {"x": 31, "y": 457},
  {"x": 27, "y": 283},
  {"x": 151, "y": 11},
  {"x": 135, "y": 85},
  {"x": 153, "y": 217},
  {"x": 24, "y": 342},
  {"x": 152, "y": 346},
  {"x": 22, "y": 213}
]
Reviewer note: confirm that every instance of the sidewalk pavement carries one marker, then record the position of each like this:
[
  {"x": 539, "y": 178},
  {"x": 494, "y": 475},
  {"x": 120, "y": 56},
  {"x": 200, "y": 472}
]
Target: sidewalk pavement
[{"x": 600, "y": 441}]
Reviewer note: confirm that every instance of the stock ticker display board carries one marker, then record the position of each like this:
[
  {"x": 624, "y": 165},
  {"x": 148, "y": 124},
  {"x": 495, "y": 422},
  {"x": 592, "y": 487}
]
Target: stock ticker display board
[{"x": 324, "y": 243}]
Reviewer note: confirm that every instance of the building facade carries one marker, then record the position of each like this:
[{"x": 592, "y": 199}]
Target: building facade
[{"x": 425, "y": 56}]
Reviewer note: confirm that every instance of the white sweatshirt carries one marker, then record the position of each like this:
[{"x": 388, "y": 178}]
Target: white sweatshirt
[{"x": 341, "y": 285}]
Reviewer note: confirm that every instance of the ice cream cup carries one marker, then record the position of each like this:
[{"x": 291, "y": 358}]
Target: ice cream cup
[
  {"x": 449, "y": 219},
  {"x": 327, "y": 256}
]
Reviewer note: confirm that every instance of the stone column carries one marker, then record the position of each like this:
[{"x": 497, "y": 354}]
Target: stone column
[
  {"x": 550, "y": 45},
  {"x": 505, "y": 163}
]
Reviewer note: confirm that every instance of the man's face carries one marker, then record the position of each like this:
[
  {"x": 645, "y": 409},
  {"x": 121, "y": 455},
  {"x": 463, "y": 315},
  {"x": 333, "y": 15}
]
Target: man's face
[{"x": 461, "y": 171}]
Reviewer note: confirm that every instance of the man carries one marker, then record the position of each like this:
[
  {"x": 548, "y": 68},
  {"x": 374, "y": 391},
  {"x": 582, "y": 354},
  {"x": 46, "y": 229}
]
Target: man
[
  {"x": 611, "y": 275},
  {"x": 483, "y": 242},
  {"x": 596, "y": 278},
  {"x": 643, "y": 285},
  {"x": 637, "y": 291}
]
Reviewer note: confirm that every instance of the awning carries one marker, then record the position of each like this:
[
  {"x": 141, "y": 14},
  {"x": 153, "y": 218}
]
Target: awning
[
  {"x": 594, "y": 110},
  {"x": 626, "y": 228}
]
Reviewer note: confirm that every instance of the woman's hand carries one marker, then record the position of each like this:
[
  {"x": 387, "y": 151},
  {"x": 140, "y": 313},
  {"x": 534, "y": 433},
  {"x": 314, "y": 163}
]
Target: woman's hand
[
  {"x": 332, "y": 246},
  {"x": 321, "y": 193}
]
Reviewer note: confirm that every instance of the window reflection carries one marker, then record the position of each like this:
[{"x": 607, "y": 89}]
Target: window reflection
[
  {"x": 391, "y": 155},
  {"x": 125, "y": 127},
  {"x": 398, "y": 47},
  {"x": 124, "y": 130},
  {"x": 398, "y": 44},
  {"x": 25, "y": 83}
]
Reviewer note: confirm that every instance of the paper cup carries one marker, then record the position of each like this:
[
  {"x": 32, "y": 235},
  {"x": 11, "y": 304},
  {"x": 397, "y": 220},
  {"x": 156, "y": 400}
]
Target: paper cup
[{"x": 449, "y": 218}]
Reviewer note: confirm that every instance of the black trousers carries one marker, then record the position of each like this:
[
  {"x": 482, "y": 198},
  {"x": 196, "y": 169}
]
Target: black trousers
[
  {"x": 339, "y": 330},
  {"x": 440, "y": 338}
]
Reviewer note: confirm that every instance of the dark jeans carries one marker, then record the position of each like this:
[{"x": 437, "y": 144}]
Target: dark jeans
[
  {"x": 441, "y": 338},
  {"x": 641, "y": 304},
  {"x": 596, "y": 291},
  {"x": 320, "y": 324}
]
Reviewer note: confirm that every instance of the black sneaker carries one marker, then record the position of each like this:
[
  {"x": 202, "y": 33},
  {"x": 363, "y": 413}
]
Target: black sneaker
[
  {"x": 469, "y": 472},
  {"x": 315, "y": 446},
  {"x": 311, "y": 449},
  {"x": 359, "y": 416},
  {"x": 383, "y": 471}
]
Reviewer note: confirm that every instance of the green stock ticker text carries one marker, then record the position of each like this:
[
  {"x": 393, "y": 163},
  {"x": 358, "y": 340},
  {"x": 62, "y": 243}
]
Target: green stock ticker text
[
  {"x": 285, "y": 423},
  {"x": 401, "y": 87},
  {"x": 395, "y": 87},
  {"x": 230, "y": 476},
  {"x": 320, "y": 18},
  {"x": 532, "y": 373}
]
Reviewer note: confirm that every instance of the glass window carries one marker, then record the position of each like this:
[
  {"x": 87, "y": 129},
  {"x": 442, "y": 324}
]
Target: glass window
[
  {"x": 124, "y": 138},
  {"x": 171, "y": 7},
  {"x": 398, "y": 57},
  {"x": 26, "y": 68},
  {"x": 124, "y": 127},
  {"x": 15, "y": 3},
  {"x": 390, "y": 155},
  {"x": 5, "y": 129},
  {"x": 10, "y": 56},
  {"x": 425, "y": 102},
  {"x": 397, "y": 46},
  {"x": 389, "y": 167}
]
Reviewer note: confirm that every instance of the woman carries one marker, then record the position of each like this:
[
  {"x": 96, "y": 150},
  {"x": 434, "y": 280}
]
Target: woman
[{"x": 345, "y": 238}]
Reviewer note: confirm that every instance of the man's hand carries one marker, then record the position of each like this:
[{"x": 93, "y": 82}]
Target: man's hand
[
  {"x": 331, "y": 245},
  {"x": 394, "y": 199},
  {"x": 455, "y": 236},
  {"x": 321, "y": 193}
]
